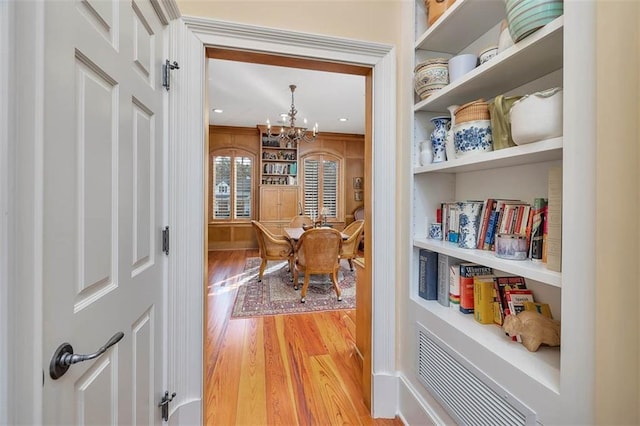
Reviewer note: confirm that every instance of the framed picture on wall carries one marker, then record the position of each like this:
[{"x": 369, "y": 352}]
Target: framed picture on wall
[
  {"x": 357, "y": 195},
  {"x": 357, "y": 182}
]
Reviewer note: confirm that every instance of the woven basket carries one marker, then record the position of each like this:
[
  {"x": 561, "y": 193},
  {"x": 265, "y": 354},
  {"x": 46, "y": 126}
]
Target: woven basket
[{"x": 472, "y": 111}]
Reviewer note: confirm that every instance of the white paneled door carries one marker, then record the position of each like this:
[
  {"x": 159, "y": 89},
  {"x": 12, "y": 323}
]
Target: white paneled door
[{"x": 102, "y": 173}]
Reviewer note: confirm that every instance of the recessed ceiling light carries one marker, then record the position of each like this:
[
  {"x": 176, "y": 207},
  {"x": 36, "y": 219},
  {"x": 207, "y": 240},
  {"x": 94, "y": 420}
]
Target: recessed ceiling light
[
  {"x": 343, "y": 119},
  {"x": 217, "y": 110}
]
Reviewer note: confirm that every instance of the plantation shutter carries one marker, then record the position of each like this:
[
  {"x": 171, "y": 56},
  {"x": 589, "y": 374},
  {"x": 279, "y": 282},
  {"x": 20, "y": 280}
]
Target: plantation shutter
[
  {"x": 311, "y": 193},
  {"x": 231, "y": 185},
  {"x": 320, "y": 186},
  {"x": 330, "y": 188},
  {"x": 242, "y": 187},
  {"x": 221, "y": 187}
]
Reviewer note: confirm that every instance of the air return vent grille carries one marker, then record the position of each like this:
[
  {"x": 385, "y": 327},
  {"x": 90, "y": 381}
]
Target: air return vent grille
[{"x": 471, "y": 397}]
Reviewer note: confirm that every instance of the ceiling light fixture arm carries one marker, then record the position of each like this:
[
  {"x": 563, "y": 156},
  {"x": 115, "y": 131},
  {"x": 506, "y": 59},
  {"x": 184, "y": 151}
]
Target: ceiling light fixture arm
[{"x": 292, "y": 134}]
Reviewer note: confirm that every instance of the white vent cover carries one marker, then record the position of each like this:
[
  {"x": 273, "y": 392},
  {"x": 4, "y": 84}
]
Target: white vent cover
[{"x": 470, "y": 396}]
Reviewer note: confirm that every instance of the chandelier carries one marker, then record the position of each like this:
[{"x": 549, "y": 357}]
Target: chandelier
[{"x": 292, "y": 135}]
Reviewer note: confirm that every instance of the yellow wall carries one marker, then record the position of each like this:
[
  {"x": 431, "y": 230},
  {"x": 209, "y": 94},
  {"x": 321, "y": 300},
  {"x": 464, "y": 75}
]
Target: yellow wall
[
  {"x": 617, "y": 337},
  {"x": 617, "y": 375},
  {"x": 365, "y": 20}
]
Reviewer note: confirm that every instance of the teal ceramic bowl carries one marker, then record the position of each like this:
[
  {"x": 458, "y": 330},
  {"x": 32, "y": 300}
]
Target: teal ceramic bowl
[{"x": 527, "y": 16}]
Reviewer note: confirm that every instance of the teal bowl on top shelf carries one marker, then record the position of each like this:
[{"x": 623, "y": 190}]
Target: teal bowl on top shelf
[{"x": 527, "y": 16}]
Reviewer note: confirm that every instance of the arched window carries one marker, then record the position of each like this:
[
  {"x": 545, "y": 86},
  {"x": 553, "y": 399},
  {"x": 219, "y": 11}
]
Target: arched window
[
  {"x": 320, "y": 185},
  {"x": 231, "y": 185}
]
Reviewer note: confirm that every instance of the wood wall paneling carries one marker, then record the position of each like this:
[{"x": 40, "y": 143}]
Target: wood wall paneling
[{"x": 350, "y": 148}]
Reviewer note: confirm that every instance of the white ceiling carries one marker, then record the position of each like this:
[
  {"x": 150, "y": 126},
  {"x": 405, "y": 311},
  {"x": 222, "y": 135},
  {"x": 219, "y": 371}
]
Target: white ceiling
[{"x": 249, "y": 94}]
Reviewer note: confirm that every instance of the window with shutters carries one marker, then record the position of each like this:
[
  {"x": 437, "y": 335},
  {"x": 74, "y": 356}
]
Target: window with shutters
[
  {"x": 231, "y": 185},
  {"x": 320, "y": 185}
]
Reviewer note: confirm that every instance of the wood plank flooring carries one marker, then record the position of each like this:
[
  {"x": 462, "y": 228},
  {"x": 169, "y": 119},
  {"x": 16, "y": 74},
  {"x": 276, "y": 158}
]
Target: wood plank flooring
[{"x": 278, "y": 370}]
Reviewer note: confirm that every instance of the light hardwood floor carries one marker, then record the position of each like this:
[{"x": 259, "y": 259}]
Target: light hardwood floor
[{"x": 278, "y": 370}]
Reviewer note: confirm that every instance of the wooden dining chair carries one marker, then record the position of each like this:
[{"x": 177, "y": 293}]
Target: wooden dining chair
[
  {"x": 272, "y": 247},
  {"x": 300, "y": 221},
  {"x": 358, "y": 214},
  {"x": 351, "y": 245},
  {"x": 318, "y": 252}
]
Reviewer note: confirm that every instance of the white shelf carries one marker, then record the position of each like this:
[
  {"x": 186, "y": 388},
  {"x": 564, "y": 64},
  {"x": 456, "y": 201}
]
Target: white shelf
[
  {"x": 546, "y": 150},
  {"x": 542, "y": 366},
  {"x": 532, "y": 270},
  {"x": 534, "y": 57},
  {"x": 461, "y": 24}
]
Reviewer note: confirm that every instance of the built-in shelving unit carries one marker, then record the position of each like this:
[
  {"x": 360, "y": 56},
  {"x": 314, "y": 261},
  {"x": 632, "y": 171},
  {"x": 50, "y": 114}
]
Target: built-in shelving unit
[
  {"x": 520, "y": 172},
  {"x": 278, "y": 162}
]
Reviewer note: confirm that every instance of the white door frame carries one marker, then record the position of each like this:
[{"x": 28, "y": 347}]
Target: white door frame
[{"x": 189, "y": 112}]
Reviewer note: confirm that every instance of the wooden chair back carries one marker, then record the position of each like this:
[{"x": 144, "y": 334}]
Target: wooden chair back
[
  {"x": 350, "y": 245},
  {"x": 318, "y": 250},
  {"x": 299, "y": 221},
  {"x": 358, "y": 213},
  {"x": 272, "y": 247}
]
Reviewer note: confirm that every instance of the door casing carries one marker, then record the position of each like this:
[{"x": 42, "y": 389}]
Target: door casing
[{"x": 191, "y": 106}]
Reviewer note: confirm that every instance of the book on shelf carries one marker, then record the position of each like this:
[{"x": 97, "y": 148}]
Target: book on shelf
[
  {"x": 487, "y": 207},
  {"x": 443, "y": 278},
  {"x": 541, "y": 308},
  {"x": 494, "y": 223},
  {"x": 516, "y": 299},
  {"x": 553, "y": 246},
  {"x": 444, "y": 214},
  {"x": 483, "y": 291},
  {"x": 527, "y": 229},
  {"x": 454, "y": 286},
  {"x": 467, "y": 271},
  {"x": 537, "y": 228},
  {"x": 428, "y": 274},
  {"x": 514, "y": 215},
  {"x": 453, "y": 223},
  {"x": 501, "y": 284},
  {"x": 508, "y": 214}
]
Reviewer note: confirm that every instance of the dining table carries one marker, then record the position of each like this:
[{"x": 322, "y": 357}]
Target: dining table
[{"x": 295, "y": 233}]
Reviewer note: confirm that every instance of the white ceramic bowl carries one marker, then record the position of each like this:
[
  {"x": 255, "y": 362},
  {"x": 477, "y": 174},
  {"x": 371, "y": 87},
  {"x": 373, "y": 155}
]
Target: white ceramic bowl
[
  {"x": 487, "y": 54},
  {"x": 429, "y": 76},
  {"x": 537, "y": 116},
  {"x": 472, "y": 137},
  {"x": 460, "y": 65}
]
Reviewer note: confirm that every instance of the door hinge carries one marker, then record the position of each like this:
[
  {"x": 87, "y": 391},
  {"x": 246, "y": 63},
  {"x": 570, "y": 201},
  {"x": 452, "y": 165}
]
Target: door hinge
[
  {"x": 165, "y": 240},
  {"x": 166, "y": 68},
  {"x": 164, "y": 405}
]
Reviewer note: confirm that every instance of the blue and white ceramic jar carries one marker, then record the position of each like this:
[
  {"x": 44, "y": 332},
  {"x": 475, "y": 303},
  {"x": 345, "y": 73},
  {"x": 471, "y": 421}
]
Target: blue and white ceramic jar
[
  {"x": 472, "y": 137},
  {"x": 435, "y": 231},
  {"x": 470, "y": 212},
  {"x": 439, "y": 138}
]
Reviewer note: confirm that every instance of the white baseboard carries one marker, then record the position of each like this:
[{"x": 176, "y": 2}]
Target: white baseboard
[
  {"x": 414, "y": 409},
  {"x": 385, "y": 396},
  {"x": 187, "y": 414}
]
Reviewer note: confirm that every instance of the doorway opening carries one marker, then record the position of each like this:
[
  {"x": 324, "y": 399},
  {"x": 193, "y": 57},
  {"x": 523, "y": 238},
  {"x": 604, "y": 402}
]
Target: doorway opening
[{"x": 307, "y": 64}]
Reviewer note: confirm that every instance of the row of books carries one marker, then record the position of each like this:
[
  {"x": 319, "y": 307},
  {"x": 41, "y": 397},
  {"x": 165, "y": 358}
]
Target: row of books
[
  {"x": 474, "y": 289},
  {"x": 499, "y": 216}
]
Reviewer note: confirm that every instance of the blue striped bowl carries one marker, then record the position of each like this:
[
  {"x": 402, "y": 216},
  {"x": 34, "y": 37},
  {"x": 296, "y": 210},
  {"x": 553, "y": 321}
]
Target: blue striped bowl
[{"x": 527, "y": 16}]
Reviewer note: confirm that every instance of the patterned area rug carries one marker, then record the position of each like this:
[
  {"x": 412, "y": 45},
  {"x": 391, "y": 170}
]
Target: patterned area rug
[{"x": 275, "y": 294}]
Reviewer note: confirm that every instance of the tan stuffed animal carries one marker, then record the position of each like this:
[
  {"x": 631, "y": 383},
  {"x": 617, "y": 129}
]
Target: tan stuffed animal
[{"x": 534, "y": 329}]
